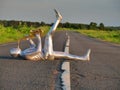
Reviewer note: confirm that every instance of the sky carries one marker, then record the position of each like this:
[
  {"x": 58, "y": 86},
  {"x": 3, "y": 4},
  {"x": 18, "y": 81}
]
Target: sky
[{"x": 73, "y": 11}]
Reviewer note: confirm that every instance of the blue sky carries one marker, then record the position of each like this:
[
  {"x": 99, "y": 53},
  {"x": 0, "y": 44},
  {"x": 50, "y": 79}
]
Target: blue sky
[{"x": 75, "y": 11}]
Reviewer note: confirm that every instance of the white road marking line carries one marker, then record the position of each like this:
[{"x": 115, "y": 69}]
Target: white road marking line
[{"x": 66, "y": 76}]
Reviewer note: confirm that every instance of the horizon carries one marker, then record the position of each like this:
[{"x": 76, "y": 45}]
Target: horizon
[{"x": 62, "y": 22}]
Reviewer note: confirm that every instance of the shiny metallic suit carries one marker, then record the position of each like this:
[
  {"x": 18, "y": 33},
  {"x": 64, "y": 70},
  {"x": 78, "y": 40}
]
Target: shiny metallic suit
[{"x": 36, "y": 53}]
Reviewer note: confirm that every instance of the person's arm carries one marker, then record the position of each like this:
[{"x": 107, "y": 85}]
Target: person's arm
[
  {"x": 38, "y": 34},
  {"x": 32, "y": 44}
]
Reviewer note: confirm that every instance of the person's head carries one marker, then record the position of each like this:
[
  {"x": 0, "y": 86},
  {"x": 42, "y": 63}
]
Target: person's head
[{"x": 15, "y": 52}]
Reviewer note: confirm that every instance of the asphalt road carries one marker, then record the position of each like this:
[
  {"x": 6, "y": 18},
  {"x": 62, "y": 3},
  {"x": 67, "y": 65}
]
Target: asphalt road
[{"x": 102, "y": 72}]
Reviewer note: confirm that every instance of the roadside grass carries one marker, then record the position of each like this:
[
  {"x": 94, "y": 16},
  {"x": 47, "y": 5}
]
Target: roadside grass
[
  {"x": 10, "y": 34},
  {"x": 110, "y": 36}
]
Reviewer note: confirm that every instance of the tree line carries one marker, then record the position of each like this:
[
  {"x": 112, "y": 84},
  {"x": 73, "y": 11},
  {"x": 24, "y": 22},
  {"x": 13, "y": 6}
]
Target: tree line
[{"x": 91, "y": 26}]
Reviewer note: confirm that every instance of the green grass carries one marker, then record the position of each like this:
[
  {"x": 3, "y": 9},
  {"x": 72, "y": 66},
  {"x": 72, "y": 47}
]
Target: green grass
[
  {"x": 10, "y": 34},
  {"x": 110, "y": 36}
]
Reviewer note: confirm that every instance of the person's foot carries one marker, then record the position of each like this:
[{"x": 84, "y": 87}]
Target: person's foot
[
  {"x": 88, "y": 54},
  {"x": 58, "y": 15}
]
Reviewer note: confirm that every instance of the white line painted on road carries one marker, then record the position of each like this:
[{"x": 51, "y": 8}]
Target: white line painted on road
[{"x": 66, "y": 76}]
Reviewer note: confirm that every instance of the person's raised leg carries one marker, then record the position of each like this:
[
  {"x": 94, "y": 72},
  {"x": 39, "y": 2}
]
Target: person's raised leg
[{"x": 48, "y": 45}]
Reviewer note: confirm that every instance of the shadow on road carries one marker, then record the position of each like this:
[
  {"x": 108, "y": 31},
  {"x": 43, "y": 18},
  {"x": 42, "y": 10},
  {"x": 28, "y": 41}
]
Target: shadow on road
[{"x": 9, "y": 58}]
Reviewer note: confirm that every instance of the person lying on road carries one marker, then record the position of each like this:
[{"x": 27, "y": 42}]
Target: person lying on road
[{"x": 35, "y": 52}]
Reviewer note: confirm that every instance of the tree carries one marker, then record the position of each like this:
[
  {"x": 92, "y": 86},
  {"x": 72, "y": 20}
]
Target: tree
[
  {"x": 101, "y": 26},
  {"x": 67, "y": 25},
  {"x": 42, "y": 23},
  {"x": 93, "y": 26}
]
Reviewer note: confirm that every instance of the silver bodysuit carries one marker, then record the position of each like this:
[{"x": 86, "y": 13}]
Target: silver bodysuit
[{"x": 47, "y": 53}]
